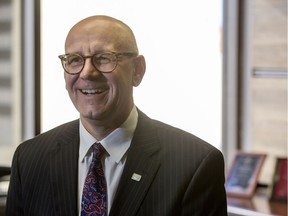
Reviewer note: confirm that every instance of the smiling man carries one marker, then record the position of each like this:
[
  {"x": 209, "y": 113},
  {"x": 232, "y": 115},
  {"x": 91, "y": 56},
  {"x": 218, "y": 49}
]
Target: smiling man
[{"x": 114, "y": 160}]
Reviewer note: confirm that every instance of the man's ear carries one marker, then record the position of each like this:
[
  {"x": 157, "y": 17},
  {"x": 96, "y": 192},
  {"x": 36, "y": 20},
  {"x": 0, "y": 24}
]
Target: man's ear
[{"x": 140, "y": 68}]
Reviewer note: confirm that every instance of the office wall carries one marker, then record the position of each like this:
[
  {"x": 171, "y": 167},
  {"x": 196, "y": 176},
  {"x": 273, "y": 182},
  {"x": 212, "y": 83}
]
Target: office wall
[
  {"x": 269, "y": 83},
  {"x": 10, "y": 79},
  {"x": 181, "y": 43}
]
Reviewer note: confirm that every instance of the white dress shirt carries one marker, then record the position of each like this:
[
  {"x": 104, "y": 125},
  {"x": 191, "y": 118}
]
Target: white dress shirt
[{"x": 116, "y": 145}]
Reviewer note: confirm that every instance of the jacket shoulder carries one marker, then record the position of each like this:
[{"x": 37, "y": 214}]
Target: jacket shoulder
[
  {"x": 172, "y": 138},
  {"x": 66, "y": 131}
]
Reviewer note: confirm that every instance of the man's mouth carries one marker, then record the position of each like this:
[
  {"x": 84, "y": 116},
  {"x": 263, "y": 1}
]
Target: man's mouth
[{"x": 92, "y": 91}]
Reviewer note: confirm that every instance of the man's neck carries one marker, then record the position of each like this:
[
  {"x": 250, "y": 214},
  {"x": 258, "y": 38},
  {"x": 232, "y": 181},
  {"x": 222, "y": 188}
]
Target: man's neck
[{"x": 99, "y": 129}]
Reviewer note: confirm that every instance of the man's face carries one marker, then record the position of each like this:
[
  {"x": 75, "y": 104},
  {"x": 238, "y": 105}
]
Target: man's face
[{"x": 100, "y": 96}]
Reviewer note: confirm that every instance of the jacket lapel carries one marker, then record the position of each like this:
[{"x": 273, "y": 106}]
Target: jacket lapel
[
  {"x": 140, "y": 168},
  {"x": 64, "y": 170}
]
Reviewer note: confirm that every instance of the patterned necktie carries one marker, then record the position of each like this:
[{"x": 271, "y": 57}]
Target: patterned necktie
[{"x": 94, "y": 197}]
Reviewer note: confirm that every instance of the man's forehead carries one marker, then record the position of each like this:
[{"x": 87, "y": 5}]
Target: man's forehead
[{"x": 88, "y": 33}]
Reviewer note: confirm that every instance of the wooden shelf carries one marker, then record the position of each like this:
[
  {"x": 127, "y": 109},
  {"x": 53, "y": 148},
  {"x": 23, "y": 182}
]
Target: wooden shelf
[{"x": 258, "y": 203}]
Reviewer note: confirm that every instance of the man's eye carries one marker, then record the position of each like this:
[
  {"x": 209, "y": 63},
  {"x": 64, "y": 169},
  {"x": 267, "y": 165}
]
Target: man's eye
[
  {"x": 102, "y": 59},
  {"x": 74, "y": 60}
]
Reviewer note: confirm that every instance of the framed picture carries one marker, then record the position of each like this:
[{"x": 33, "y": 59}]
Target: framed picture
[
  {"x": 279, "y": 183},
  {"x": 243, "y": 174}
]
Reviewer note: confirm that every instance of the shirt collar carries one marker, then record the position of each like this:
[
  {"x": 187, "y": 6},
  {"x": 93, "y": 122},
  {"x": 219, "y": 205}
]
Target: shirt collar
[{"x": 116, "y": 143}]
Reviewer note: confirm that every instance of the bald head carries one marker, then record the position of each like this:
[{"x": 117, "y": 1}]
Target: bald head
[{"x": 107, "y": 30}]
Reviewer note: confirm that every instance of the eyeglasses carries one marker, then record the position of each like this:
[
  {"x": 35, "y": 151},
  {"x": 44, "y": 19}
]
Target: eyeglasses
[{"x": 104, "y": 62}]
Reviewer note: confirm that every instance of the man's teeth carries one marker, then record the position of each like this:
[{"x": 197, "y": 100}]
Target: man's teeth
[{"x": 91, "y": 91}]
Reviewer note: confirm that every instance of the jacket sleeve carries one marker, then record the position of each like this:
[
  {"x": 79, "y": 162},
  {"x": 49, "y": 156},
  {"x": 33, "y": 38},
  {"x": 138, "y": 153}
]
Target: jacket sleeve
[
  {"x": 14, "y": 203},
  {"x": 206, "y": 193}
]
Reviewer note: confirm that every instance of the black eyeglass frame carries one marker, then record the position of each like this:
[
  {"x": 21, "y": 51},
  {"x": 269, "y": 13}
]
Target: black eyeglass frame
[{"x": 116, "y": 54}]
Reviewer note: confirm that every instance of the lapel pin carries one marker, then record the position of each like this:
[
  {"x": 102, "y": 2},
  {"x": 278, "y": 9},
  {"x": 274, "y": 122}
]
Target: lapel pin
[{"x": 136, "y": 177}]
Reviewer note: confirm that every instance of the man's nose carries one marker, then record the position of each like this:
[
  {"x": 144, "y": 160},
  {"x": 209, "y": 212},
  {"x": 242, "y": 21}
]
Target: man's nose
[{"x": 89, "y": 70}]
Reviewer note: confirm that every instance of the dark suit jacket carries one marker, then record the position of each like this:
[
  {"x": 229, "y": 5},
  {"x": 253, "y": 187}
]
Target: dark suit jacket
[{"x": 181, "y": 174}]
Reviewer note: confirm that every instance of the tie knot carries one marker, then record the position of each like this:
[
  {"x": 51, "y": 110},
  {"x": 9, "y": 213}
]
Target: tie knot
[{"x": 98, "y": 150}]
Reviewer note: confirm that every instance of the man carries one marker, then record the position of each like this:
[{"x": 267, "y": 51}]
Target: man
[{"x": 147, "y": 168}]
